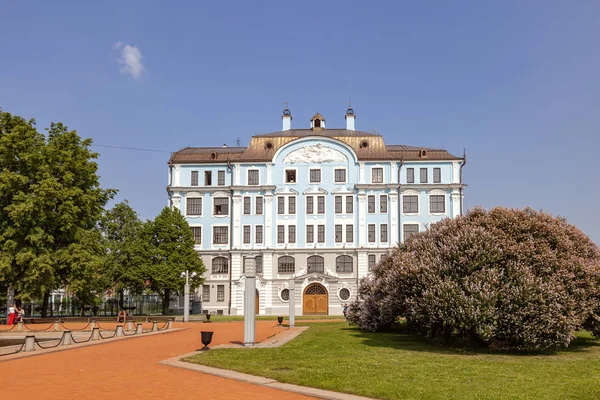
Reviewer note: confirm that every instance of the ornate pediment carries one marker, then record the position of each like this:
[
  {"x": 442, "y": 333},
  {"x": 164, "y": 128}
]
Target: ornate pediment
[
  {"x": 314, "y": 277},
  {"x": 315, "y": 154}
]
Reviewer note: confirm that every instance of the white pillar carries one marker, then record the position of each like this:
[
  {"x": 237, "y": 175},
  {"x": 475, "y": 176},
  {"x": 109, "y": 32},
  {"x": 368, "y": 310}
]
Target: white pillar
[
  {"x": 236, "y": 175},
  {"x": 250, "y": 303},
  {"x": 186, "y": 299},
  {"x": 268, "y": 214},
  {"x": 362, "y": 216},
  {"x": 235, "y": 214},
  {"x": 292, "y": 303},
  {"x": 393, "y": 218}
]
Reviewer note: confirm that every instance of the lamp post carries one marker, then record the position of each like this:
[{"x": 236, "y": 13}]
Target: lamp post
[
  {"x": 249, "y": 302},
  {"x": 292, "y": 303},
  {"x": 186, "y": 294}
]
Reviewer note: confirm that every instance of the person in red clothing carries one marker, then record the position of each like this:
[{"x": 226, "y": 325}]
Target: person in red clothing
[{"x": 11, "y": 314}]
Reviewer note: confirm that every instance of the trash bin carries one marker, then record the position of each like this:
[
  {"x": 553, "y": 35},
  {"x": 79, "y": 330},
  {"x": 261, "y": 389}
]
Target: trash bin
[{"x": 196, "y": 307}]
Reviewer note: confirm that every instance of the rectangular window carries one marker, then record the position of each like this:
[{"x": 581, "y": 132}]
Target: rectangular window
[
  {"x": 340, "y": 175},
  {"x": 410, "y": 229},
  {"x": 259, "y": 205},
  {"x": 371, "y": 233},
  {"x": 220, "y": 292},
  {"x": 292, "y": 234},
  {"x": 252, "y": 177},
  {"x": 338, "y": 234},
  {"x": 338, "y": 204},
  {"x": 221, "y": 206},
  {"x": 206, "y": 293},
  {"x": 246, "y": 234},
  {"x": 197, "y": 232},
  {"x": 437, "y": 204},
  {"x": 371, "y": 261},
  {"x": 321, "y": 204},
  {"x": 383, "y": 203},
  {"x": 371, "y": 203},
  {"x": 410, "y": 204},
  {"x": 310, "y": 205},
  {"x": 437, "y": 175},
  {"x": 310, "y": 233},
  {"x": 376, "y": 175},
  {"x": 280, "y": 205},
  {"x": 280, "y": 234},
  {"x": 220, "y": 234},
  {"x": 258, "y": 235},
  {"x": 193, "y": 206},
  {"x": 321, "y": 233},
  {"x": 207, "y": 178},
  {"x": 410, "y": 176},
  {"x": 221, "y": 178},
  {"x": 349, "y": 233},
  {"x": 290, "y": 176},
  {"x": 194, "y": 178},
  {"x": 247, "y": 205},
  {"x": 383, "y": 231},
  {"x": 291, "y": 205},
  {"x": 349, "y": 204},
  {"x": 315, "y": 176},
  {"x": 423, "y": 177}
]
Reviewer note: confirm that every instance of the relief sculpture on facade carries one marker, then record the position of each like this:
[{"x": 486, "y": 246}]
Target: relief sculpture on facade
[{"x": 315, "y": 154}]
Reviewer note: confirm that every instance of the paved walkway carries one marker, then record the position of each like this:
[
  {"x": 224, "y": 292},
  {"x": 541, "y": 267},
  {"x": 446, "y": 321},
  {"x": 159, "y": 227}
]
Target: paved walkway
[{"x": 130, "y": 369}]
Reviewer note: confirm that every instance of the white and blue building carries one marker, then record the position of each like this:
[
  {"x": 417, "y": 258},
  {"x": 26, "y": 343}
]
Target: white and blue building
[{"x": 314, "y": 205}]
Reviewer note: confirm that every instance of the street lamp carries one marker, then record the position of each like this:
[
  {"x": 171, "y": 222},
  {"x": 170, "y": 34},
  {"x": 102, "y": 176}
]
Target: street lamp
[{"x": 186, "y": 294}]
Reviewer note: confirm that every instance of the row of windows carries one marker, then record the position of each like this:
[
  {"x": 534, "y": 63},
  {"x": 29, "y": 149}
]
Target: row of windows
[
  {"x": 437, "y": 204},
  {"x": 314, "y": 175},
  {"x": 410, "y": 175},
  {"x": 287, "y": 264},
  {"x": 206, "y": 293},
  {"x": 208, "y": 178}
]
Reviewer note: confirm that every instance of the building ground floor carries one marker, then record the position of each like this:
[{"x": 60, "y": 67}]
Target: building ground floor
[{"x": 320, "y": 281}]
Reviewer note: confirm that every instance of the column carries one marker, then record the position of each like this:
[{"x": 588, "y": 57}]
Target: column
[
  {"x": 292, "y": 303},
  {"x": 250, "y": 302}
]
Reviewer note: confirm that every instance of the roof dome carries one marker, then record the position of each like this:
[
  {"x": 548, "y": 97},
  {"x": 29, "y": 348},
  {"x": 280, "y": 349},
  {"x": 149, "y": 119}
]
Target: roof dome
[
  {"x": 349, "y": 111},
  {"x": 287, "y": 112}
]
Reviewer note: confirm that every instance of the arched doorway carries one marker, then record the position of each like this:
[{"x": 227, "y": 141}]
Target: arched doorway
[
  {"x": 257, "y": 304},
  {"x": 315, "y": 300}
]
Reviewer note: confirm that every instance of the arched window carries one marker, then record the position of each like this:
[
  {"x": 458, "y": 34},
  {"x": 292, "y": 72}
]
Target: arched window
[
  {"x": 316, "y": 264},
  {"x": 286, "y": 264},
  {"x": 343, "y": 264},
  {"x": 220, "y": 265},
  {"x": 317, "y": 123}
]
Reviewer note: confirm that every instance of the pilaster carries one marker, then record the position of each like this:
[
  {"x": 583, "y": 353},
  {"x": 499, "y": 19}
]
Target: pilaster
[
  {"x": 236, "y": 215},
  {"x": 393, "y": 209},
  {"x": 362, "y": 215},
  {"x": 268, "y": 215}
]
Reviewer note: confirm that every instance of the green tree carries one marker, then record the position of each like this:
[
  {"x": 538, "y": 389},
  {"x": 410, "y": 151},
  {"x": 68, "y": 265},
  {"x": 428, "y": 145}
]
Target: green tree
[
  {"x": 125, "y": 262},
  {"x": 50, "y": 201},
  {"x": 171, "y": 252}
]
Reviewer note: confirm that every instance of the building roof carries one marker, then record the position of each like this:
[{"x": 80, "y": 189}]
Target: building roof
[{"x": 262, "y": 148}]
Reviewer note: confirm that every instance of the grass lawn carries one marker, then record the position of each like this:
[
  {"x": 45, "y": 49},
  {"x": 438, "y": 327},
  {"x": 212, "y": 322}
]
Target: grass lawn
[{"x": 398, "y": 365}]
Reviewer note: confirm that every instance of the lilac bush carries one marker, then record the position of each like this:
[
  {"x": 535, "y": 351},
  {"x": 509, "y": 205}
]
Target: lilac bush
[{"x": 505, "y": 278}]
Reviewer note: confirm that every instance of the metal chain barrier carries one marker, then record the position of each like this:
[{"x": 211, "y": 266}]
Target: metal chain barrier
[
  {"x": 39, "y": 330},
  {"x": 8, "y": 330},
  {"x": 14, "y": 352},
  {"x": 164, "y": 327},
  {"x": 82, "y": 329},
  {"x": 84, "y": 341},
  {"x": 108, "y": 337},
  {"x": 47, "y": 347}
]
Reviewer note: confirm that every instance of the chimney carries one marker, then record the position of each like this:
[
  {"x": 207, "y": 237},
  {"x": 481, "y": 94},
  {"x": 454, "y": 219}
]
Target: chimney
[
  {"x": 286, "y": 118},
  {"x": 350, "y": 116}
]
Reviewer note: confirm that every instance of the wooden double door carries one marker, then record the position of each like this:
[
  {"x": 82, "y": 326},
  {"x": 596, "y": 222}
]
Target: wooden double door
[{"x": 315, "y": 300}]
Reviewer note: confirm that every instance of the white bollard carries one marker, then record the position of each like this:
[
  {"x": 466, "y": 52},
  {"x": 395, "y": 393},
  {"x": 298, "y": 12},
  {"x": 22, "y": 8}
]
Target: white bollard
[
  {"x": 19, "y": 326},
  {"x": 119, "y": 332},
  {"x": 170, "y": 324},
  {"x": 139, "y": 328},
  {"x": 129, "y": 325},
  {"x": 93, "y": 325},
  {"x": 154, "y": 326},
  {"x": 67, "y": 338},
  {"x": 57, "y": 326},
  {"x": 29, "y": 343},
  {"x": 96, "y": 334}
]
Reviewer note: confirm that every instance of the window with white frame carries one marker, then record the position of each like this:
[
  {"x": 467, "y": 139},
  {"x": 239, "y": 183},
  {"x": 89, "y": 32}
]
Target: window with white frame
[
  {"x": 292, "y": 205},
  {"x": 221, "y": 206},
  {"x": 338, "y": 234},
  {"x": 371, "y": 204},
  {"x": 423, "y": 177},
  {"x": 247, "y": 234},
  {"x": 291, "y": 233},
  {"x": 339, "y": 175},
  {"x": 220, "y": 292},
  {"x": 371, "y": 261},
  {"x": 280, "y": 205},
  {"x": 221, "y": 178},
  {"x": 371, "y": 233},
  {"x": 349, "y": 204},
  {"x": 409, "y": 229},
  {"x": 437, "y": 203},
  {"x": 207, "y": 178},
  {"x": 193, "y": 206},
  {"x": 247, "y": 205},
  {"x": 220, "y": 265},
  {"x": 410, "y": 175},
  {"x": 343, "y": 264},
  {"x": 315, "y": 176},
  {"x": 310, "y": 205},
  {"x": 285, "y": 294},
  {"x": 344, "y": 294},
  {"x": 197, "y": 232},
  {"x": 338, "y": 204},
  {"x": 383, "y": 203},
  {"x": 410, "y": 204},
  {"x": 290, "y": 176},
  {"x": 205, "y": 293},
  {"x": 437, "y": 175},
  {"x": 258, "y": 263},
  {"x": 321, "y": 204},
  {"x": 310, "y": 233},
  {"x": 349, "y": 233},
  {"x": 321, "y": 233},
  {"x": 258, "y": 234},
  {"x": 383, "y": 233},
  {"x": 259, "y": 205},
  {"x": 376, "y": 175},
  {"x": 253, "y": 177},
  {"x": 280, "y": 233},
  {"x": 220, "y": 234},
  {"x": 315, "y": 264},
  {"x": 194, "y": 178},
  {"x": 286, "y": 264}
]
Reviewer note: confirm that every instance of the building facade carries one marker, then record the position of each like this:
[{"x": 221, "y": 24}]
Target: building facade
[{"x": 317, "y": 206}]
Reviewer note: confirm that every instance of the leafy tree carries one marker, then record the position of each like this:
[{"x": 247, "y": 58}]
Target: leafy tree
[
  {"x": 125, "y": 263},
  {"x": 508, "y": 278},
  {"x": 50, "y": 200},
  {"x": 171, "y": 252}
]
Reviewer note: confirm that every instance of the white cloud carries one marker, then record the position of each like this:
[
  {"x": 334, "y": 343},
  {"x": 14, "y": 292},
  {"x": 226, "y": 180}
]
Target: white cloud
[{"x": 130, "y": 60}]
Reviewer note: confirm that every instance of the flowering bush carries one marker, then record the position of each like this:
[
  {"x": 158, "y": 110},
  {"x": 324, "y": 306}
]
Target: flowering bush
[{"x": 505, "y": 278}]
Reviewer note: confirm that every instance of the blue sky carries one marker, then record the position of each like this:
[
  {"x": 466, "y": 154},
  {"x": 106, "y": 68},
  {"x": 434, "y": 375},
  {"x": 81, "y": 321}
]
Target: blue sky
[{"x": 514, "y": 82}]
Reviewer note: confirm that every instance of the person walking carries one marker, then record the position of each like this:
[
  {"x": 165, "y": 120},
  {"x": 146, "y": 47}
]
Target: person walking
[
  {"x": 11, "y": 314},
  {"x": 345, "y": 311}
]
